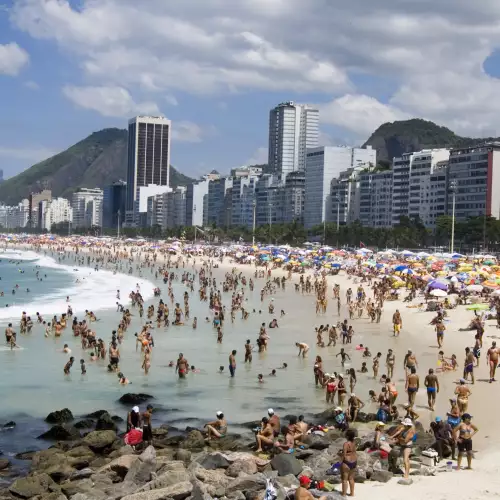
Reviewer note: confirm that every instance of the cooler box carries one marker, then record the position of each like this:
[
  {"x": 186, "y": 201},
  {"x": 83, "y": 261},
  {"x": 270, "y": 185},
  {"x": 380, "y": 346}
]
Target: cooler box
[{"x": 429, "y": 458}]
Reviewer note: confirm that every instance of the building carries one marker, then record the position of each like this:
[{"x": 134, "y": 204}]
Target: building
[
  {"x": 344, "y": 197},
  {"x": 148, "y": 156},
  {"x": 293, "y": 128},
  {"x": 243, "y": 200},
  {"x": 245, "y": 171},
  {"x": 114, "y": 204},
  {"x": 324, "y": 164},
  {"x": 87, "y": 207},
  {"x": 293, "y": 197},
  {"x": 375, "y": 198},
  {"x": 219, "y": 202},
  {"x": 197, "y": 203},
  {"x": 475, "y": 174},
  {"x": 56, "y": 211},
  {"x": 13, "y": 217},
  {"x": 33, "y": 202}
]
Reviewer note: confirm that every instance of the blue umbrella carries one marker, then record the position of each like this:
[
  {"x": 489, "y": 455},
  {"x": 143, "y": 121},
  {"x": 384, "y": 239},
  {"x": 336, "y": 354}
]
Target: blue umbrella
[{"x": 401, "y": 267}]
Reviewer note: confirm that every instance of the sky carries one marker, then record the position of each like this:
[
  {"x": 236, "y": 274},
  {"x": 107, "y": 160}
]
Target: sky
[{"x": 216, "y": 67}]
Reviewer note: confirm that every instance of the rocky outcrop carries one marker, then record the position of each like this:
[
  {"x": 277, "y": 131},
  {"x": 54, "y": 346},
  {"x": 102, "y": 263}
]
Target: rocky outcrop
[
  {"x": 99, "y": 440},
  {"x": 60, "y": 433},
  {"x": 135, "y": 399},
  {"x": 59, "y": 416}
]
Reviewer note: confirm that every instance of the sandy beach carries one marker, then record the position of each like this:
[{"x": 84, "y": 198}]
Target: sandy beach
[{"x": 298, "y": 326}]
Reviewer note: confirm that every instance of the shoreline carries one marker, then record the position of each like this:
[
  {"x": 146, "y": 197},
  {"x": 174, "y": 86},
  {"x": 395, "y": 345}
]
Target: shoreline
[{"x": 415, "y": 334}]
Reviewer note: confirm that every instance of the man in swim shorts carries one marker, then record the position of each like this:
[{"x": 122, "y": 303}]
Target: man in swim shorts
[
  {"x": 492, "y": 360},
  {"x": 432, "y": 383}
]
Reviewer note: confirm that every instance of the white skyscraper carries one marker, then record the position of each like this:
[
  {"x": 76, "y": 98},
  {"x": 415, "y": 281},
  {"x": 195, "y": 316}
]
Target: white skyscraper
[
  {"x": 148, "y": 155},
  {"x": 292, "y": 129},
  {"x": 87, "y": 207}
]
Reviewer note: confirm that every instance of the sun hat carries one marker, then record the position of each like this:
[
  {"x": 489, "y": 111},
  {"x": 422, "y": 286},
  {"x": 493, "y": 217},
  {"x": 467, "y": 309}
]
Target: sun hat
[
  {"x": 270, "y": 411},
  {"x": 219, "y": 414},
  {"x": 338, "y": 408},
  {"x": 407, "y": 422},
  {"x": 135, "y": 409},
  {"x": 304, "y": 480},
  {"x": 438, "y": 419}
]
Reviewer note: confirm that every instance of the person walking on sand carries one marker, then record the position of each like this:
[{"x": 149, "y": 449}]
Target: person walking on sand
[
  {"x": 390, "y": 361},
  {"x": 432, "y": 384},
  {"x": 410, "y": 361},
  {"x": 469, "y": 365},
  {"x": 440, "y": 328},
  {"x": 462, "y": 392},
  {"x": 492, "y": 360},
  {"x": 412, "y": 386},
  {"x": 397, "y": 323}
]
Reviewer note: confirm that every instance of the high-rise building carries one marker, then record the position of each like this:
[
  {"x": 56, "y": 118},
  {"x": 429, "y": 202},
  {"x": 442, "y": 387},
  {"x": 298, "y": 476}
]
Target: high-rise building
[
  {"x": 197, "y": 203},
  {"x": 220, "y": 202},
  {"x": 33, "y": 203},
  {"x": 292, "y": 129},
  {"x": 56, "y": 211},
  {"x": 322, "y": 166},
  {"x": 113, "y": 204},
  {"x": 375, "y": 198},
  {"x": 148, "y": 155},
  {"x": 87, "y": 207}
]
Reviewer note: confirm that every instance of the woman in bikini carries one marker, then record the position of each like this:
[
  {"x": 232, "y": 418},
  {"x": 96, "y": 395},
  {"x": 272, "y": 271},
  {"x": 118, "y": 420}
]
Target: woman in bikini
[
  {"x": 341, "y": 391},
  {"x": 404, "y": 438},
  {"x": 462, "y": 392},
  {"x": 349, "y": 463},
  {"x": 463, "y": 435}
]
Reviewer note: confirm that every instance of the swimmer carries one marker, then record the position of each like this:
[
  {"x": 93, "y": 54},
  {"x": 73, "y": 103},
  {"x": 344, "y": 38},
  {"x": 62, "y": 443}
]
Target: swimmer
[
  {"x": 66, "y": 349},
  {"x": 68, "y": 365},
  {"x": 260, "y": 378},
  {"x": 122, "y": 380},
  {"x": 284, "y": 367},
  {"x": 273, "y": 373}
]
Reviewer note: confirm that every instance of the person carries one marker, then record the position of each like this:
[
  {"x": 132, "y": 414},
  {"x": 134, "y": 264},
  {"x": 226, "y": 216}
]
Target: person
[
  {"x": 410, "y": 413},
  {"x": 318, "y": 371},
  {"x": 232, "y": 362},
  {"x": 147, "y": 430},
  {"x": 354, "y": 404},
  {"x": 122, "y": 380},
  {"x": 469, "y": 365},
  {"x": 303, "y": 348},
  {"x": 302, "y": 492},
  {"x": 397, "y": 323},
  {"x": 492, "y": 360},
  {"x": 462, "y": 392},
  {"x": 440, "y": 328},
  {"x": 248, "y": 352},
  {"x": 349, "y": 463},
  {"x": 68, "y": 365},
  {"x": 265, "y": 436},
  {"x": 443, "y": 433},
  {"x": 217, "y": 428},
  {"x": 432, "y": 384},
  {"x": 404, "y": 437},
  {"x": 410, "y": 361},
  {"x": 340, "y": 419},
  {"x": 412, "y": 385},
  {"x": 274, "y": 421},
  {"x": 182, "y": 366},
  {"x": 390, "y": 361},
  {"x": 82, "y": 366},
  {"x": 134, "y": 419},
  {"x": 463, "y": 433}
]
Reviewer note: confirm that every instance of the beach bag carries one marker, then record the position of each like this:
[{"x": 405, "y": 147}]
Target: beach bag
[
  {"x": 271, "y": 493},
  {"x": 381, "y": 415},
  {"x": 133, "y": 437}
]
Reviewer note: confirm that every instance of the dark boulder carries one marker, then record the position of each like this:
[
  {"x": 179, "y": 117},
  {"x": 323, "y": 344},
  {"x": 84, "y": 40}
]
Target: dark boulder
[
  {"x": 286, "y": 464},
  {"x": 117, "y": 419},
  {"x": 9, "y": 425},
  {"x": 25, "y": 455},
  {"x": 60, "y": 433},
  {"x": 59, "y": 416},
  {"x": 135, "y": 399},
  {"x": 4, "y": 463},
  {"x": 95, "y": 414},
  {"x": 105, "y": 423},
  {"x": 193, "y": 441},
  {"x": 86, "y": 423},
  {"x": 213, "y": 461}
]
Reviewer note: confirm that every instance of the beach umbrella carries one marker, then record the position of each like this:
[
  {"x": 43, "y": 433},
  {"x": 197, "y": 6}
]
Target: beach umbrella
[
  {"x": 438, "y": 293},
  {"x": 438, "y": 285},
  {"x": 401, "y": 267},
  {"x": 475, "y": 288},
  {"x": 478, "y": 307}
]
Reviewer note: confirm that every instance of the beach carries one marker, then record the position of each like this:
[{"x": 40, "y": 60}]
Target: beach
[{"x": 197, "y": 398}]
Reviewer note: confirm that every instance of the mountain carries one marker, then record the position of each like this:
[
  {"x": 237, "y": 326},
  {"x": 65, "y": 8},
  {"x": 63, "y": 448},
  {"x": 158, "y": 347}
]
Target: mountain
[
  {"x": 395, "y": 138},
  {"x": 97, "y": 161}
]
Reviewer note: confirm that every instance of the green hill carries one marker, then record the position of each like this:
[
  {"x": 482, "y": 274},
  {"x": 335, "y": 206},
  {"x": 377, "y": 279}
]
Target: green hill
[
  {"x": 395, "y": 138},
  {"x": 97, "y": 161}
]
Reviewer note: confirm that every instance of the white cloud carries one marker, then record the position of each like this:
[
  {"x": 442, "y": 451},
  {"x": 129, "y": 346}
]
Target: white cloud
[
  {"x": 12, "y": 59},
  {"x": 428, "y": 55},
  {"x": 259, "y": 157},
  {"x": 30, "y": 84},
  {"x": 34, "y": 154},
  {"x": 359, "y": 113},
  {"x": 186, "y": 131},
  {"x": 109, "y": 101},
  {"x": 170, "y": 99}
]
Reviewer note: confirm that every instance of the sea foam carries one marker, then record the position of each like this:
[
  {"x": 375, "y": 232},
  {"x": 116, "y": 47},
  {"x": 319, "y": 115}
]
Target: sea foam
[{"x": 95, "y": 291}]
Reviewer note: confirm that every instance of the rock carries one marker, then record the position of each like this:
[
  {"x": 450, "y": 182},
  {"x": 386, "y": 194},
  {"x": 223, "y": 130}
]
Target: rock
[
  {"x": 59, "y": 417},
  {"x": 406, "y": 482},
  {"x": 95, "y": 414},
  {"x": 85, "y": 486},
  {"x": 141, "y": 470},
  {"x": 247, "y": 484},
  {"x": 134, "y": 399},
  {"x": 117, "y": 419},
  {"x": 60, "y": 433},
  {"x": 25, "y": 455},
  {"x": 193, "y": 441},
  {"x": 286, "y": 464},
  {"x": 216, "y": 478},
  {"x": 120, "y": 465},
  {"x": 239, "y": 466},
  {"x": 28, "y": 487},
  {"x": 183, "y": 455},
  {"x": 160, "y": 432},
  {"x": 105, "y": 423},
  {"x": 81, "y": 474},
  {"x": 166, "y": 479},
  {"x": 4, "y": 463},
  {"x": 85, "y": 424},
  {"x": 165, "y": 464},
  {"x": 9, "y": 425},
  {"x": 98, "y": 440},
  {"x": 178, "y": 491},
  {"x": 213, "y": 461},
  {"x": 60, "y": 471},
  {"x": 57, "y": 495},
  {"x": 230, "y": 443},
  {"x": 304, "y": 454},
  {"x": 317, "y": 442},
  {"x": 80, "y": 452},
  {"x": 288, "y": 481},
  {"x": 381, "y": 476}
]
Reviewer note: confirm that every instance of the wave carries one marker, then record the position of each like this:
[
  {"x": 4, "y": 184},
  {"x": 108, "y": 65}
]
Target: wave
[{"x": 95, "y": 291}]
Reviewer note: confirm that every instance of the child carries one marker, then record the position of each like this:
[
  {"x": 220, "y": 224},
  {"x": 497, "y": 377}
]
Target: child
[
  {"x": 273, "y": 373},
  {"x": 260, "y": 378},
  {"x": 82, "y": 366},
  {"x": 364, "y": 369},
  {"x": 68, "y": 365},
  {"x": 195, "y": 323}
]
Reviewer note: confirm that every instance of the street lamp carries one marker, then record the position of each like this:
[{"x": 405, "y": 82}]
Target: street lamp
[
  {"x": 254, "y": 206},
  {"x": 337, "y": 199},
  {"x": 324, "y": 222},
  {"x": 453, "y": 189}
]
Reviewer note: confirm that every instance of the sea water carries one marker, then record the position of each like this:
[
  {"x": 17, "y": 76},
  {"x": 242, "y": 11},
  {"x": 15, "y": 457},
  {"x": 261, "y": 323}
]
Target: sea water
[{"x": 32, "y": 382}]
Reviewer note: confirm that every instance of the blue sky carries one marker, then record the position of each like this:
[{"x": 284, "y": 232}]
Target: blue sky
[{"x": 216, "y": 67}]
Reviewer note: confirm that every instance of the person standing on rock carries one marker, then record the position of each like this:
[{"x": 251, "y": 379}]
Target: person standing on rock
[
  {"x": 349, "y": 463},
  {"x": 147, "y": 430},
  {"x": 274, "y": 421}
]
